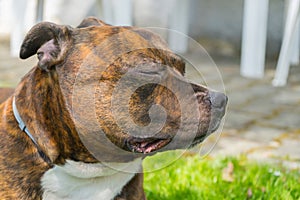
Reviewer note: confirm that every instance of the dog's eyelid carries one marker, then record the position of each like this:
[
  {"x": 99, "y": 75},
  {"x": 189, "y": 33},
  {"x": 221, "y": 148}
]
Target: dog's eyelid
[
  {"x": 155, "y": 69},
  {"x": 149, "y": 72}
]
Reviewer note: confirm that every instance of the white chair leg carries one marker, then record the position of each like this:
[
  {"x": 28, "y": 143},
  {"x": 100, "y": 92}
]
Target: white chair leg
[
  {"x": 117, "y": 12},
  {"x": 295, "y": 46},
  {"x": 282, "y": 69},
  {"x": 254, "y": 38},
  {"x": 179, "y": 21},
  {"x": 17, "y": 34},
  {"x": 53, "y": 11},
  {"x": 123, "y": 12},
  {"x": 40, "y": 10}
]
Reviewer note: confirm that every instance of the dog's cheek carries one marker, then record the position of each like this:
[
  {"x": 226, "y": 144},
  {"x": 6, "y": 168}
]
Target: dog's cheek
[
  {"x": 140, "y": 103},
  {"x": 205, "y": 116},
  {"x": 139, "y": 110}
]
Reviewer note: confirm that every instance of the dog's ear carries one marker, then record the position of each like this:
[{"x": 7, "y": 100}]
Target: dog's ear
[
  {"x": 91, "y": 21},
  {"x": 50, "y": 41}
]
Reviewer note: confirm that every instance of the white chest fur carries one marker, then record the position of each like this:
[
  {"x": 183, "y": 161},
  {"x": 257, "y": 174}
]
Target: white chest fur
[{"x": 77, "y": 180}]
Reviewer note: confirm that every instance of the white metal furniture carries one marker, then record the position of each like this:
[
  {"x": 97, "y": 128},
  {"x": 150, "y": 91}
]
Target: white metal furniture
[
  {"x": 117, "y": 12},
  {"x": 179, "y": 26},
  {"x": 16, "y": 36},
  {"x": 289, "y": 53},
  {"x": 254, "y": 38}
]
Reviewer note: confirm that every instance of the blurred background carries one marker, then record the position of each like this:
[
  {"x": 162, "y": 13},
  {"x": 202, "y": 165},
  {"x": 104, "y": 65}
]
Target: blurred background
[{"x": 253, "y": 43}]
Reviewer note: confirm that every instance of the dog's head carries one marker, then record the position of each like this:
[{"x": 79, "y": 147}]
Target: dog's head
[{"x": 125, "y": 84}]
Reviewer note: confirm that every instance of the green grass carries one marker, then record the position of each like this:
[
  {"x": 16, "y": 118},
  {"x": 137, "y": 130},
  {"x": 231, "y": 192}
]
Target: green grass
[{"x": 190, "y": 177}]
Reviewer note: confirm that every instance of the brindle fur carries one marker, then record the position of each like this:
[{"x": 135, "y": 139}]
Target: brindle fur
[{"x": 44, "y": 100}]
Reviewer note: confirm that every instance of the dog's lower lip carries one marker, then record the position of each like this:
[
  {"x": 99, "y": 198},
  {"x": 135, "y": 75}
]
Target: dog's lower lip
[
  {"x": 198, "y": 140},
  {"x": 147, "y": 145}
]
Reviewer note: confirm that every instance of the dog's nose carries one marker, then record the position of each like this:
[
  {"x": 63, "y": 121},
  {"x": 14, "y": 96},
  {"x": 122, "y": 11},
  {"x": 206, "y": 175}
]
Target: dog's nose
[
  {"x": 218, "y": 99},
  {"x": 218, "y": 107}
]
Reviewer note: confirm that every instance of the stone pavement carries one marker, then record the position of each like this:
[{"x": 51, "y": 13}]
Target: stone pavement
[{"x": 262, "y": 122}]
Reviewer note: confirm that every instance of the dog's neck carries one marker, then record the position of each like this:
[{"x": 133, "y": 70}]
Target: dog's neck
[
  {"x": 41, "y": 105},
  {"x": 77, "y": 180}
]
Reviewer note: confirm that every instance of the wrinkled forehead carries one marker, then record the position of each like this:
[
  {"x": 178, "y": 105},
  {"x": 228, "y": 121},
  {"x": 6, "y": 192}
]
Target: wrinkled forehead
[{"x": 129, "y": 44}]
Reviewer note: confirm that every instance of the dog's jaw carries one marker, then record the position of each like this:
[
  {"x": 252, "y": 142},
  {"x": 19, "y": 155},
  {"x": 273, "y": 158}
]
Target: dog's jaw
[{"x": 78, "y": 180}]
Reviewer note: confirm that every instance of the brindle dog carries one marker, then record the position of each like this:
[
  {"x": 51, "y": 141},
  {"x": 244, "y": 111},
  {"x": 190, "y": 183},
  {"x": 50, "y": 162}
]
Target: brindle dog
[{"x": 58, "y": 153}]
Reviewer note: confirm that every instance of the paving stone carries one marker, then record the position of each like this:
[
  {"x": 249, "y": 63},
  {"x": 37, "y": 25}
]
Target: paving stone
[
  {"x": 238, "y": 83},
  {"x": 286, "y": 152},
  {"x": 258, "y": 107},
  {"x": 290, "y": 147},
  {"x": 288, "y": 119},
  {"x": 236, "y": 99},
  {"x": 238, "y": 119},
  {"x": 287, "y": 97},
  {"x": 293, "y": 78},
  {"x": 234, "y": 145},
  {"x": 264, "y": 135}
]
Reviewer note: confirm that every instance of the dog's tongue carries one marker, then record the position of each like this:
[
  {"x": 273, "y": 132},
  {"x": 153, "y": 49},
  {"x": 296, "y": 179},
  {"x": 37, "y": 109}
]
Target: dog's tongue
[
  {"x": 145, "y": 147},
  {"x": 148, "y": 145}
]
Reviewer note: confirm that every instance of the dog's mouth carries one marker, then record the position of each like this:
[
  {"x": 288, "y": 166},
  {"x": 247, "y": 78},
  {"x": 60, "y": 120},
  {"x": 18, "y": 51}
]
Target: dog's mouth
[
  {"x": 149, "y": 145},
  {"x": 146, "y": 145}
]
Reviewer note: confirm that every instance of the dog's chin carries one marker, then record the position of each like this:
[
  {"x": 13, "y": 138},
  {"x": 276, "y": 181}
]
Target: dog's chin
[{"x": 214, "y": 125}]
